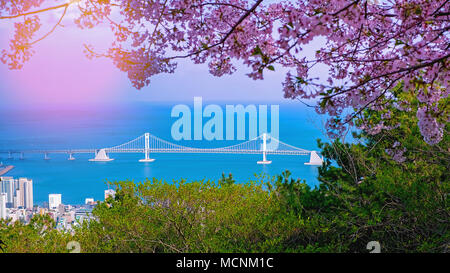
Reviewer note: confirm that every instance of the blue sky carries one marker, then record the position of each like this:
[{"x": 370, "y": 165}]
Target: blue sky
[{"x": 53, "y": 66}]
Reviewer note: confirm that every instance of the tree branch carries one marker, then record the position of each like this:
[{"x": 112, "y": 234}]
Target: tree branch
[
  {"x": 66, "y": 5},
  {"x": 243, "y": 17},
  {"x": 345, "y": 8},
  {"x": 54, "y": 27},
  {"x": 405, "y": 69}
]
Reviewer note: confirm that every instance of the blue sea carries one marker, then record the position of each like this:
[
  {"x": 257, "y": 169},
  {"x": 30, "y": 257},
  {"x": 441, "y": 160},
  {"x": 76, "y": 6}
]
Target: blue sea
[{"x": 99, "y": 126}]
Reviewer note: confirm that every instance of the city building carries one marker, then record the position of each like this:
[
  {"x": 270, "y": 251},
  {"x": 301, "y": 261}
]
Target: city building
[
  {"x": 3, "y": 199},
  {"x": 16, "y": 204},
  {"x": 82, "y": 214},
  {"x": 61, "y": 209},
  {"x": 19, "y": 192},
  {"x": 54, "y": 200},
  {"x": 27, "y": 188},
  {"x": 18, "y": 199},
  {"x": 109, "y": 192},
  {"x": 7, "y": 186}
]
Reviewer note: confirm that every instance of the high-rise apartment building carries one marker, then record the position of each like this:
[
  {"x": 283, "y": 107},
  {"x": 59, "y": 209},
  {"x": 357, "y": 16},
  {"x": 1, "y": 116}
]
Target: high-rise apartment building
[
  {"x": 7, "y": 185},
  {"x": 19, "y": 192},
  {"x": 27, "y": 185},
  {"x": 54, "y": 200},
  {"x": 3, "y": 199}
]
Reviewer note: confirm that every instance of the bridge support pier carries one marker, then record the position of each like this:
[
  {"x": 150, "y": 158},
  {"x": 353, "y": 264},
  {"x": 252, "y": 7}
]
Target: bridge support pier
[
  {"x": 314, "y": 159},
  {"x": 46, "y": 157},
  {"x": 147, "y": 150},
  {"x": 10, "y": 155},
  {"x": 22, "y": 156},
  {"x": 101, "y": 156},
  {"x": 264, "y": 148},
  {"x": 71, "y": 157}
]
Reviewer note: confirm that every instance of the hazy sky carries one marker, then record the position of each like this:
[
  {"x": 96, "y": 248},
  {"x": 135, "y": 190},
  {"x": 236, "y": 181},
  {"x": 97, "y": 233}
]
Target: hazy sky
[{"x": 60, "y": 73}]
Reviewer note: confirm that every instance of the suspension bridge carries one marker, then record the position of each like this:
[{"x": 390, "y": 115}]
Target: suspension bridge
[{"x": 148, "y": 143}]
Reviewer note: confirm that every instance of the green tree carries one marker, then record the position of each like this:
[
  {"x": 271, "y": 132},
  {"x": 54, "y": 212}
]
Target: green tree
[
  {"x": 202, "y": 216},
  {"x": 390, "y": 187},
  {"x": 38, "y": 236}
]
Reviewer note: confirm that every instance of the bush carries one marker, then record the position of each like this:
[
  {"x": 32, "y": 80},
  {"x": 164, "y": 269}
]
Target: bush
[{"x": 155, "y": 216}]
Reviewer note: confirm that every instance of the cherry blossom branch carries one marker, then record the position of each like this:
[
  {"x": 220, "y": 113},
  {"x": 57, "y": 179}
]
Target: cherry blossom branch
[
  {"x": 53, "y": 29},
  {"x": 440, "y": 7},
  {"x": 345, "y": 8},
  {"x": 372, "y": 101},
  {"x": 406, "y": 69},
  {"x": 66, "y": 5},
  {"x": 243, "y": 17},
  {"x": 220, "y": 4}
]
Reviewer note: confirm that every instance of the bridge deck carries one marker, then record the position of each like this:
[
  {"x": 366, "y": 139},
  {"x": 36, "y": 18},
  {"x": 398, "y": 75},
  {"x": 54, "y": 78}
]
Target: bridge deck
[
  {"x": 148, "y": 143},
  {"x": 188, "y": 151}
]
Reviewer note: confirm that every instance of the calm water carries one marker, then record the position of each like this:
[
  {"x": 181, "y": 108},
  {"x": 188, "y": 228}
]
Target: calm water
[{"x": 105, "y": 126}]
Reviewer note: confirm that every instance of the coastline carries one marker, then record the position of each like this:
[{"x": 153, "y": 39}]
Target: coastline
[{"x": 6, "y": 169}]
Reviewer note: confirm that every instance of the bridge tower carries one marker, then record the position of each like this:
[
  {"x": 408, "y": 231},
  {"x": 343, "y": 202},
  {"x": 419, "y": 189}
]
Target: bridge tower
[
  {"x": 264, "y": 151},
  {"x": 147, "y": 149},
  {"x": 71, "y": 157}
]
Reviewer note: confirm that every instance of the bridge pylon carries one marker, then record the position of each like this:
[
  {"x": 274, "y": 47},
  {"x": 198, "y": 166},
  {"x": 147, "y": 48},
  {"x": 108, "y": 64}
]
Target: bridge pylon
[
  {"x": 147, "y": 150},
  {"x": 264, "y": 151}
]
